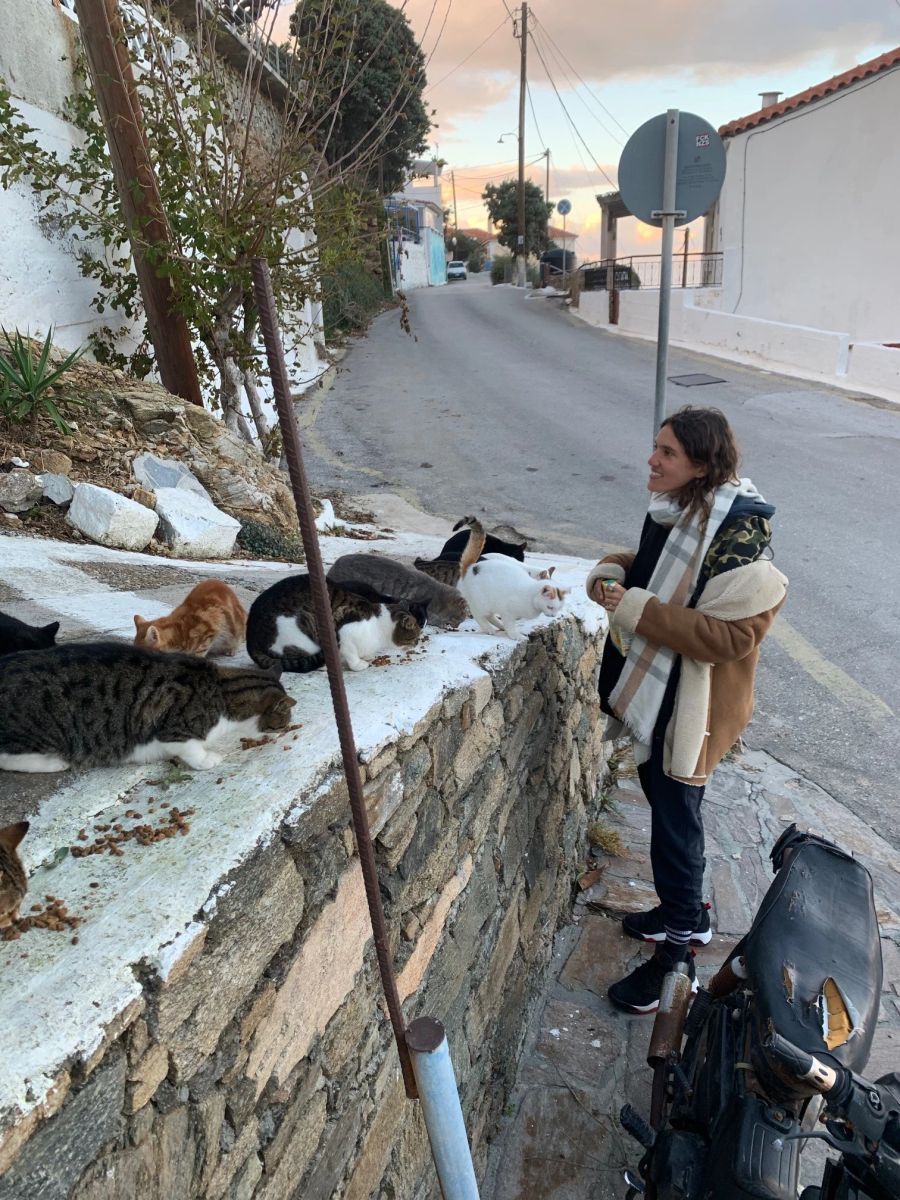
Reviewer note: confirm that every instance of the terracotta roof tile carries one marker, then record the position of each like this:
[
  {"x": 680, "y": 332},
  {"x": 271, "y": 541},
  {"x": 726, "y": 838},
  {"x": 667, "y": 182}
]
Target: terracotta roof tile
[{"x": 883, "y": 63}]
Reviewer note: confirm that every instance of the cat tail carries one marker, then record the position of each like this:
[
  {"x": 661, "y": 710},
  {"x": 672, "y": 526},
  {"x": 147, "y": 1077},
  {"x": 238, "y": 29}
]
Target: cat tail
[
  {"x": 295, "y": 660},
  {"x": 474, "y": 545}
]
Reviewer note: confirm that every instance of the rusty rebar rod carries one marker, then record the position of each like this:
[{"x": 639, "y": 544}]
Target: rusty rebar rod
[{"x": 265, "y": 302}]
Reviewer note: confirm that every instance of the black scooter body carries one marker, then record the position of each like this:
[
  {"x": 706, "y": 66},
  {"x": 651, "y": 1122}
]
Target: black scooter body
[{"x": 733, "y": 1119}]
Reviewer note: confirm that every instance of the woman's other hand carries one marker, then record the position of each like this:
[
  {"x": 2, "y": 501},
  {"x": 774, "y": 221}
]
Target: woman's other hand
[{"x": 608, "y": 595}]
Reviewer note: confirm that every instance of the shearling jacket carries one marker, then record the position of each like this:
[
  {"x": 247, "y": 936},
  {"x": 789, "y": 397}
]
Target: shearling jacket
[{"x": 718, "y": 640}]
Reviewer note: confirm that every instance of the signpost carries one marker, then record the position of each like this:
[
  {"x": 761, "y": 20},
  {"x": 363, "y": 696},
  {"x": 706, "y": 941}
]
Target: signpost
[
  {"x": 671, "y": 172},
  {"x": 564, "y": 208}
]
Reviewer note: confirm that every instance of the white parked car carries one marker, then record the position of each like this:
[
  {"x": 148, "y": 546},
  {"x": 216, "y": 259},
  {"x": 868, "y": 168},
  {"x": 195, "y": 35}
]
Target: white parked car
[{"x": 456, "y": 270}]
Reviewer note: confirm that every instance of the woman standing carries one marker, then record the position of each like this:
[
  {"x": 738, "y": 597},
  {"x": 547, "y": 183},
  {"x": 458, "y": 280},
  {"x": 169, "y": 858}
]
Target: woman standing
[{"x": 687, "y": 613}]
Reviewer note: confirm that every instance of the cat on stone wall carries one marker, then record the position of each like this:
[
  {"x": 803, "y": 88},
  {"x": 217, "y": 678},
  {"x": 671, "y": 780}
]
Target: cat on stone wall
[
  {"x": 446, "y": 607},
  {"x": 210, "y": 620},
  {"x": 96, "y": 704},
  {"x": 16, "y": 635},
  {"x": 499, "y": 591},
  {"x": 282, "y": 630}
]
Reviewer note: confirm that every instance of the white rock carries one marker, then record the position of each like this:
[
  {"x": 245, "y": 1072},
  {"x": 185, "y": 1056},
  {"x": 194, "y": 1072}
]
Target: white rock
[
  {"x": 110, "y": 519},
  {"x": 156, "y": 473},
  {"x": 193, "y": 526},
  {"x": 57, "y": 488}
]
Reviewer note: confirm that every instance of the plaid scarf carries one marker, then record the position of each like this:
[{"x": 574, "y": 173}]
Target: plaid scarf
[{"x": 638, "y": 695}]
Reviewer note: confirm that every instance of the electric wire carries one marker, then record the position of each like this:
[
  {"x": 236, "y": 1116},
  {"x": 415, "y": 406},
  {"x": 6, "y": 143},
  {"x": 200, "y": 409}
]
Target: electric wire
[
  {"x": 562, "y": 102},
  {"x": 471, "y": 53},
  {"x": 583, "y": 82},
  {"x": 533, "y": 113},
  {"x": 573, "y": 88}
]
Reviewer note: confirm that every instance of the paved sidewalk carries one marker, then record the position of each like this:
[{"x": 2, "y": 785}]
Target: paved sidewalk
[{"x": 584, "y": 1059}]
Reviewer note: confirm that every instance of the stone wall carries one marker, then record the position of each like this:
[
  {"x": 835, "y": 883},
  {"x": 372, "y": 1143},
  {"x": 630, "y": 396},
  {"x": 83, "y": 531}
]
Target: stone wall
[{"x": 257, "y": 1061}]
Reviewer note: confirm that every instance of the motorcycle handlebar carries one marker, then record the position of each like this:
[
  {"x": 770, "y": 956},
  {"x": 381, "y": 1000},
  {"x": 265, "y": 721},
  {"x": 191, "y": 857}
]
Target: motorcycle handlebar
[{"x": 801, "y": 1065}]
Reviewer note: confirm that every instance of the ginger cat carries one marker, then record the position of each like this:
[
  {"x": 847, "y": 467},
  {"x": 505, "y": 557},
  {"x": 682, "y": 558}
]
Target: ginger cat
[{"x": 210, "y": 620}]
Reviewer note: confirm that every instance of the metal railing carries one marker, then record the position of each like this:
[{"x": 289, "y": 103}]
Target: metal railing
[{"x": 693, "y": 270}]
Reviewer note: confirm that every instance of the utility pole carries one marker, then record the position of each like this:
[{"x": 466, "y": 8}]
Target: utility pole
[
  {"x": 547, "y": 188},
  {"x": 455, "y": 217},
  {"x": 103, "y": 38},
  {"x": 521, "y": 248}
]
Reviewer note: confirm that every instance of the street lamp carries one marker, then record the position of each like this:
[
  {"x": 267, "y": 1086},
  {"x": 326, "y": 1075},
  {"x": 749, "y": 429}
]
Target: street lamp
[{"x": 512, "y": 133}]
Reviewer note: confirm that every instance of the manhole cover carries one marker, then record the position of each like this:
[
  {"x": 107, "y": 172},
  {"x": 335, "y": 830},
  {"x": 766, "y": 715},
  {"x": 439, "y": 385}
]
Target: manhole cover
[{"x": 694, "y": 380}]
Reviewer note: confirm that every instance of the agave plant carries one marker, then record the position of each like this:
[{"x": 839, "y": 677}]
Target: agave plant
[{"x": 26, "y": 380}]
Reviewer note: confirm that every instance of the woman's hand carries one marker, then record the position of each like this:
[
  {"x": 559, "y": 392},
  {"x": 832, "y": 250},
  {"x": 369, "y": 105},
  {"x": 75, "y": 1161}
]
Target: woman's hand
[{"x": 608, "y": 595}]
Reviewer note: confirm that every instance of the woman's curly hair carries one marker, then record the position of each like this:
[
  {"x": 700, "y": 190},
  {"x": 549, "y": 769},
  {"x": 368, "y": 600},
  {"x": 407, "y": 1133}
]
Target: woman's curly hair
[{"x": 708, "y": 441}]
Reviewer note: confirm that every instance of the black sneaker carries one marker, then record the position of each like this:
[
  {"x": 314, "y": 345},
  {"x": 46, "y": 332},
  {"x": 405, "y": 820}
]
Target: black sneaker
[
  {"x": 648, "y": 927},
  {"x": 639, "y": 991}
]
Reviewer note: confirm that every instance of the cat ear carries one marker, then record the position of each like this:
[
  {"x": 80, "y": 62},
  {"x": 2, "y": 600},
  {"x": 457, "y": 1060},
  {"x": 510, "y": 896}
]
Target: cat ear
[
  {"x": 563, "y": 592},
  {"x": 152, "y": 638},
  {"x": 138, "y": 622},
  {"x": 11, "y": 835},
  {"x": 549, "y": 592},
  {"x": 550, "y": 571},
  {"x": 49, "y": 632}
]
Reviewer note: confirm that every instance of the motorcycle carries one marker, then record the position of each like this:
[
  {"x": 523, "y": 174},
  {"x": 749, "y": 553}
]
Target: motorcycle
[{"x": 773, "y": 1048}]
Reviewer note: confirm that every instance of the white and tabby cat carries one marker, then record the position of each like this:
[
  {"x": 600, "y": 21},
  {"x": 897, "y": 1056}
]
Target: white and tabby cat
[
  {"x": 500, "y": 591},
  {"x": 282, "y": 630},
  {"x": 96, "y": 704}
]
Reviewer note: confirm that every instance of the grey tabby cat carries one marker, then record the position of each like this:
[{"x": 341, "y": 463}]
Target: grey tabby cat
[
  {"x": 282, "y": 631},
  {"x": 446, "y": 607},
  {"x": 96, "y": 704},
  {"x": 13, "y": 883}
]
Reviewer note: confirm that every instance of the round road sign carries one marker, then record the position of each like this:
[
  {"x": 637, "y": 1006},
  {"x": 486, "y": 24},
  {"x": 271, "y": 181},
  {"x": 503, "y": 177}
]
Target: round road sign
[
  {"x": 701, "y": 168},
  {"x": 564, "y": 207}
]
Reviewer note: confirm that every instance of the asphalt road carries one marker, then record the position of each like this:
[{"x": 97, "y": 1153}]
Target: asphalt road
[{"x": 511, "y": 408}]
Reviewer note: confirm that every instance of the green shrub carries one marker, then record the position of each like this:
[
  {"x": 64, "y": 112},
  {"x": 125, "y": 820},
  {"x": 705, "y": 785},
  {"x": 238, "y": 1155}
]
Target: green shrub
[
  {"x": 265, "y": 541},
  {"x": 502, "y": 269},
  {"x": 351, "y": 296},
  {"x": 474, "y": 263},
  {"x": 533, "y": 274},
  {"x": 25, "y": 382}
]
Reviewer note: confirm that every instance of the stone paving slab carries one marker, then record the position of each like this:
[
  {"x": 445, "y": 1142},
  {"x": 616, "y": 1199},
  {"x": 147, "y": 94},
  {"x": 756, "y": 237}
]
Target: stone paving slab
[{"x": 585, "y": 1059}]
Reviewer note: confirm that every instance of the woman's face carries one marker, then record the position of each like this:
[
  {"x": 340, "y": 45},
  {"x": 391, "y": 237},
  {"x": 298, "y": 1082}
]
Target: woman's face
[{"x": 670, "y": 467}]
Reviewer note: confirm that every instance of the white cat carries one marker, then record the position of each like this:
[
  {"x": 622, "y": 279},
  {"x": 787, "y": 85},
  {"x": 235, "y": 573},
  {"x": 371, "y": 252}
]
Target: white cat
[
  {"x": 534, "y": 572},
  {"x": 499, "y": 590}
]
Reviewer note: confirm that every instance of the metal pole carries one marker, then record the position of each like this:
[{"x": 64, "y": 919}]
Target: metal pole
[
  {"x": 455, "y": 217},
  {"x": 547, "y": 188},
  {"x": 265, "y": 302},
  {"x": 521, "y": 247},
  {"x": 684, "y": 258},
  {"x": 564, "y": 252},
  {"x": 441, "y": 1109},
  {"x": 667, "y": 212}
]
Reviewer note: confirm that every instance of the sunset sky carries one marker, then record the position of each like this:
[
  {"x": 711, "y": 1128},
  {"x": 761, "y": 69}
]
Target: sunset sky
[{"x": 615, "y": 65}]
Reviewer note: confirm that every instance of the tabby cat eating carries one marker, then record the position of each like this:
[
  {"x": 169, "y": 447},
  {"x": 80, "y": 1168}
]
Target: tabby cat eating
[
  {"x": 97, "y": 704},
  {"x": 282, "y": 630}
]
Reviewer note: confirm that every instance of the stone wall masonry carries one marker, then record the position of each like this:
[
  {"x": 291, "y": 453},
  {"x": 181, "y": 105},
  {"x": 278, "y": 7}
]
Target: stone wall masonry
[{"x": 255, "y": 1060}]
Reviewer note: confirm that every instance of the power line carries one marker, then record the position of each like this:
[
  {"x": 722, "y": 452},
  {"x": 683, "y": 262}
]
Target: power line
[
  {"x": 471, "y": 53},
  {"x": 575, "y": 128},
  {"x": 561, "y": 61},
  {"x": 534, "y": 114},
  {"x": 586, "y": 85}
]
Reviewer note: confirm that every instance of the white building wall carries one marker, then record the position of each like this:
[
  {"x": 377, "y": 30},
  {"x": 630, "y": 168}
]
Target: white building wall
[
  {"x": 40, "y": 280},
  {"x": 807, "y": 215}
]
